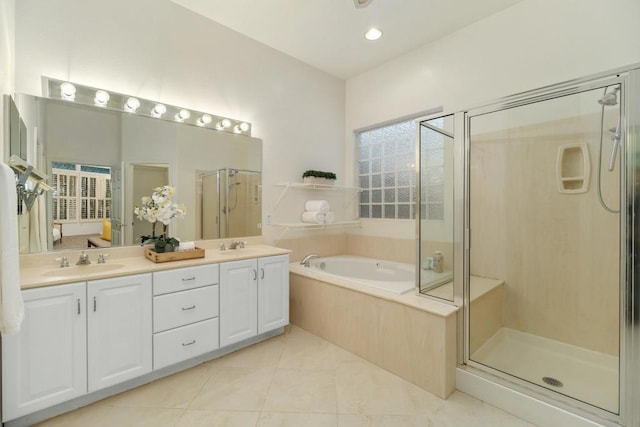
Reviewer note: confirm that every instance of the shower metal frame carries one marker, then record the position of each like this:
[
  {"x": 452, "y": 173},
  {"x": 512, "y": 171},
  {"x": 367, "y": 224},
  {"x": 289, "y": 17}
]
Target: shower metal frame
[
  {"x": 226, "y": 198},
  {"x": 629, "y": 305}
]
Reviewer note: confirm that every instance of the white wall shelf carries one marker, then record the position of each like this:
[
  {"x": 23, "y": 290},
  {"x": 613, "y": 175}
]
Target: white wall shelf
[
  {"x": 299, "y": 186},
  {"x": 303, "y": 186}
]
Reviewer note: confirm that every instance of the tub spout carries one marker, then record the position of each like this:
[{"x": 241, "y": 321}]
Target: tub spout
[{"x": 306, "y": 259}]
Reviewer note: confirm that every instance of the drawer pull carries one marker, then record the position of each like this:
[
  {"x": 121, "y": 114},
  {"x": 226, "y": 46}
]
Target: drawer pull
[
  {"x": 255, "y": 275},
  {"x": 188, "y": 308},
  {"x": 78, "y": 305},
  {"x": 189, "y": 343},
  {"x": 262, "y": 273},
  {"x": 188, "y": 279}
]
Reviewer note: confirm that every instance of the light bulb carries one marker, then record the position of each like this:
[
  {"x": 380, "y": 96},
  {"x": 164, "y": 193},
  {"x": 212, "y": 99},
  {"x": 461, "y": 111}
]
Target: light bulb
[
  {"x": 204, "y": 120},
  {"x": 132, "y": 104},
  {"x": 236, "y": 129},
  {"x": 183, "y": 115},
  {"x": 101, "y": 98},
  {"x": 226, "y": 123},
  {"x": 244, "y": 126},
  {"x": 373, "y": 34},
  {"x": 158, "y": 110},
  {"x": 68, "y": 91}
]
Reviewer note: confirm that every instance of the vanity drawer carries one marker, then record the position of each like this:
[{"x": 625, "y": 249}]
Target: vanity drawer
[
  {"x": 184, "y": 343},
  {"x": 182, "y": 308},
  {"x": 179, "y": 279}
]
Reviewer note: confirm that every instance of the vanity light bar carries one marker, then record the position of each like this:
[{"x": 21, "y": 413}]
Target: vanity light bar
[{"x": 87, "y": 95}]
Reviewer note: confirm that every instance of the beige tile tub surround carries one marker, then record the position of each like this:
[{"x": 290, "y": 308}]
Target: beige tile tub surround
[
  {"x": 322, "y": 244},
  {"x": 377, "y": 247},
  {"x": 415, "y": 344}
]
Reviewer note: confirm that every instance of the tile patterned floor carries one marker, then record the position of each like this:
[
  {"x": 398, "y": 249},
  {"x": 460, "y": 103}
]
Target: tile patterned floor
[{"x": 295, "y": 379}]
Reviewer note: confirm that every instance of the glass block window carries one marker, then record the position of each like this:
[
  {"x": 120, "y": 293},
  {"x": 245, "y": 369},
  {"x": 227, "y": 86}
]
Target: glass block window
[
  {"x": 432, "y": 173},
  {"x": 80, "y": 193},
  {"x": 386, "y": 162}
]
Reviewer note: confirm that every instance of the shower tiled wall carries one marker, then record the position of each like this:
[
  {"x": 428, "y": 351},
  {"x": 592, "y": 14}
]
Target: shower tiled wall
[{"x": 558, "y": 253}]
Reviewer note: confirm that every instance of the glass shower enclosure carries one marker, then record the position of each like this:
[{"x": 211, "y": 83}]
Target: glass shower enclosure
[
  {"x": 545, "y": 257},
  {"x": 230, "y": 203}
]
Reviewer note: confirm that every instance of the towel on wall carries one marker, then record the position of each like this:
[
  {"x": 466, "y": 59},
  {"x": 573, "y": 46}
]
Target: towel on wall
[
  {"x": 11, "y": 303},
  {"x": 321, "y": 206},
  {"x": 313, "y": 217}
]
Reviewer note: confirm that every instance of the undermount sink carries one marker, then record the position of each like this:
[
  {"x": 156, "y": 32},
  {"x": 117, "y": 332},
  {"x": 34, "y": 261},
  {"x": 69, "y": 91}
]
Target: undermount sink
[{"x": 80, "y": 270}]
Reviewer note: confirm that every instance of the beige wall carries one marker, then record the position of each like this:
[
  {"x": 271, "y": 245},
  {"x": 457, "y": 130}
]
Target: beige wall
[{"x": 558, "y": 253}]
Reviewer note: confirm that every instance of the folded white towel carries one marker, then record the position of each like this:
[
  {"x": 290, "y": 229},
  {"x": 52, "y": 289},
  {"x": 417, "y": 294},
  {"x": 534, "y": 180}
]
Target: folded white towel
[
  {"x": 313, "y": 217},
  {"x": 11, "y": 303},
  {"x": 321, "y": 206},
  {"x": 329, "y": 218},
  {"x": 186, "y": 246}
]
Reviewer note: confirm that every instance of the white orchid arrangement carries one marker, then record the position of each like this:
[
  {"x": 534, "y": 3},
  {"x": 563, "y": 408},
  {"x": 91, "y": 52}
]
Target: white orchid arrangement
[{"x": 160, "y": 207}]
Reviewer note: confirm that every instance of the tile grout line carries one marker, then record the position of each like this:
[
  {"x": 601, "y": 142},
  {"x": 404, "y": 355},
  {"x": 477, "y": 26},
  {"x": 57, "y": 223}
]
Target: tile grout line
[{"x": 273, "y": 374}]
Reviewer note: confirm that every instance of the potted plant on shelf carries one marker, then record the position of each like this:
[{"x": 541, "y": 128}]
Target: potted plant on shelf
[
  {"x": 318, "y": 177},
  {"x": 160, "y": 207}
]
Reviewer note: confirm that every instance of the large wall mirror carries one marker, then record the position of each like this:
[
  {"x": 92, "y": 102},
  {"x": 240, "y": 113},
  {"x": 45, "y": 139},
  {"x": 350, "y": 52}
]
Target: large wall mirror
[{"x": 100, "y": 163}]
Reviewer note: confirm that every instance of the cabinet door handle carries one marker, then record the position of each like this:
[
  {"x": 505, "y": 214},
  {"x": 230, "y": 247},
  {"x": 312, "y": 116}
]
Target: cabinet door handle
[
  {"x": 94, "y": 304},
  {"x": 262, "y": 273},
  {"x": 255, "y": 275},
  {"x": 188, "y": 279},
  {"x": 78, "y": 305},
  {"x": 185, "y": 344},
  {"x": 188, "y": 308}
]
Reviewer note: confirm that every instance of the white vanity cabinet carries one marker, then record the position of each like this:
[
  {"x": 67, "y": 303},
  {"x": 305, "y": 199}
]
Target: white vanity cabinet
[
  {"x": 254, "y": 297},
  {"x": 45, "y": 363},
  {"x": 119, "y": 330},
  {"x": 185, "y": 314},
  {"x": 273, "y": 293}
]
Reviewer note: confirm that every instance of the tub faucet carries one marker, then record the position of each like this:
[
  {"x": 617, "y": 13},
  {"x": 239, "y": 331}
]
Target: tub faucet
[
  {"x": 306, "y": 259},
  {"x": 84, "y": 259}
]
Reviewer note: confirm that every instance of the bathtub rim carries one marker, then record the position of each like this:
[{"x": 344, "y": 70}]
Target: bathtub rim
[{"x": 409, "y": 299}]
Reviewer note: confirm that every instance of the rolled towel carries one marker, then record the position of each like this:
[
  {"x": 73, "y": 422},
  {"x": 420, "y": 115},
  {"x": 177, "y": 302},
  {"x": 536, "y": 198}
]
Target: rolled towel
[
  {"x": 329, "y": 218},
  {"x": 321, "y": 206},
  {"x": 186, "y": 246},
  {"x": 313, "y": 217}
]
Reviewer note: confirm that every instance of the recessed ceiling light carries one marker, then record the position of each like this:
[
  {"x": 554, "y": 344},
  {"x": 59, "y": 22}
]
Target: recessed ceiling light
[{"x": 373, "y": 34}]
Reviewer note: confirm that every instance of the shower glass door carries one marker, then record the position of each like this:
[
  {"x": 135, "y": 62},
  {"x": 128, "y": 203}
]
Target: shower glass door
[{"x": 544, "y": 185}]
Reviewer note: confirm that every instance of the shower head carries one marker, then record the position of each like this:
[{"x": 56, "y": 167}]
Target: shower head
[{"x": 610, "y": 98}]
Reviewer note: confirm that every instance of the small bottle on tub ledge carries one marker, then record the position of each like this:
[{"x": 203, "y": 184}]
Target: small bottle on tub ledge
[{"x": 438, "y": 262}]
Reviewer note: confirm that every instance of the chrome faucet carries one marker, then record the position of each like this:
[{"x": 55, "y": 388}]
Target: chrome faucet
[
  {"x": 236, "y": 244},
  {"x": 64, "y": 261},
  {"x": 306, "y": 259},
  {"x": 84, "y": 259},
  {"x": 101, "y": 258}
]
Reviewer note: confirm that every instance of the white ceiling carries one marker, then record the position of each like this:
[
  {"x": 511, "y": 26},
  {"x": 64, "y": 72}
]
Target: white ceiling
[{"x": 329, "y": 34}]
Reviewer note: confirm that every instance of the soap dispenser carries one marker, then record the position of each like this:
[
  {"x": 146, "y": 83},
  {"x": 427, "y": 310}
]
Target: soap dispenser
[{"x": 438, "y": 262}]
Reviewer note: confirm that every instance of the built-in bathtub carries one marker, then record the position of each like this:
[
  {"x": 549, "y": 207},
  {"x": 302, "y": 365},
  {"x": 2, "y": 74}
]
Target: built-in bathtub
[{"x": 394, "y": 277}]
